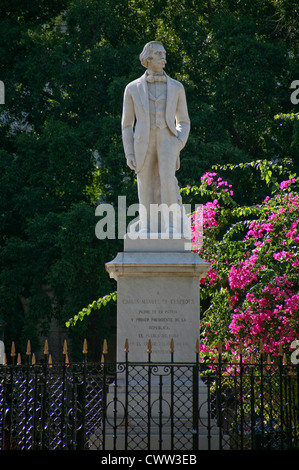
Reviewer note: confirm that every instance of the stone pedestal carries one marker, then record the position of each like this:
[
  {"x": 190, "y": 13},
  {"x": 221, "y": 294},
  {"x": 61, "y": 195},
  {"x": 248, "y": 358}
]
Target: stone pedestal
[{"x": 157, "y": 298}]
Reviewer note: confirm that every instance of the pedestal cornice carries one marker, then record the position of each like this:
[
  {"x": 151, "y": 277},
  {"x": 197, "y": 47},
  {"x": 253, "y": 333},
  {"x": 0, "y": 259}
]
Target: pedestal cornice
[{"x": 157, "y": 264}]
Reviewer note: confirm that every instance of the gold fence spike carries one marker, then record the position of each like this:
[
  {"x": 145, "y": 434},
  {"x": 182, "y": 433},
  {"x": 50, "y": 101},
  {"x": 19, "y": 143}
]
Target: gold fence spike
[
  {"x": 28, "y": 350},
  {"x": 5, "y": 360},
  {"x": 84, "y": 346},
  {"x": 268, "y": 359},
  {"x": 50, "y": 360},
  {"x": 219, "y": 346},
  {"x": 105, "y": 347},
  {"x": 149, "y": 347},
  {"x": 171, "y": 345},
  {"x": 102, "y": 360},
  {"x": 197, "y": 347},
  {"x": 13, "y": 349},
  {"x": 19, "y": 359},
  {"x": 126, "y": 346},
  {"x": 284, "y": 358},
  {"x": 251, "y": 359},
  {"x": 261, "y": 347},
  {"x": 46, "y": 347},
  {"x": 280, "y": 353},
  {"x": 33, "y": 361},
  {"x": 241, "y": 348},
  {"x": 66, "y": 358},
  {"x": 64, "y": 351}
]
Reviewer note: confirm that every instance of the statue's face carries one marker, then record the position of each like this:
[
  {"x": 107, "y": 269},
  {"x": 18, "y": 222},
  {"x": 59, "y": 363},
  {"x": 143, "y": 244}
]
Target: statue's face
[{"x": 158, "y": 61}]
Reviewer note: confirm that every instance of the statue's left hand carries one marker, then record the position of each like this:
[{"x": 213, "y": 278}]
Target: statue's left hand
[{"x": 131, "y": 162}]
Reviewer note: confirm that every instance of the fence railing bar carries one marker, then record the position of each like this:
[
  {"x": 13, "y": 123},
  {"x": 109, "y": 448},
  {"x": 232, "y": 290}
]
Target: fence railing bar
[
  {"x": 26, "y": 430},
  {"x": 296, "y": 400},
  {"x": 63, "y": 433},
  {"x": 219, "y": 397},
  {"x": 270, "y": 386},
  {"x": 115, "y": 409},
  {"x": 262, "y": 394},
  {"x": 252, "y": 406},
  {"x": 241, "y": 400},
  {"x": 149, "y": 404},
  {"x": 11, "y": 410},
  {"x": 44, "y": 407},
  {"x": 160, "y": 411},
  {"x": 126, "y": 392},
  {"x": 104, "y": 410},
  {"x": 172, "y": 394},
  {"x": 209, "y": 427},
  {"x": 83, "y": 401},
  {"x": 281, "y": 401},
  {"x": 195, "y": 406},
  {"x": 288, "y": 411}
]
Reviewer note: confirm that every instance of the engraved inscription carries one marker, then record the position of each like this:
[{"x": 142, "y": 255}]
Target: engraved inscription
[{"x": 158, "y": 319}]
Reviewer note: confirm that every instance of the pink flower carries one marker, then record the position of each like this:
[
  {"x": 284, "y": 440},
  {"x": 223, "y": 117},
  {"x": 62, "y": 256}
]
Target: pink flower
[
  {"x": 242, "y": 275},
  {"x": 208, "y": 178},
  {"x": 286, "y": 183}
]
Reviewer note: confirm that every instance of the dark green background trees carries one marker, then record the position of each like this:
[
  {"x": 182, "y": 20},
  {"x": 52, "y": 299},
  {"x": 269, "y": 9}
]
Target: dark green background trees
[{"x": 65, "y": 65}]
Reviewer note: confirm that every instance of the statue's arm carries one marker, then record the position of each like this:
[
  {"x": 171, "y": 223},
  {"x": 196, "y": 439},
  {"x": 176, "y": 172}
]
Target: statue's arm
[
  {"x": 182, "y": 118},
  {"x": 127, "y": 123}
]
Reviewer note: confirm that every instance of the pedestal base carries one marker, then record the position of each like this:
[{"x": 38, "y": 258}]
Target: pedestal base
[
  {"x": 149, "y": 420},
  {"x": 157, "y": 300}
]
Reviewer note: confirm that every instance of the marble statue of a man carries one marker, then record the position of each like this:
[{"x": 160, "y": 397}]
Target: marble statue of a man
[{"x": 155, "y": 128}]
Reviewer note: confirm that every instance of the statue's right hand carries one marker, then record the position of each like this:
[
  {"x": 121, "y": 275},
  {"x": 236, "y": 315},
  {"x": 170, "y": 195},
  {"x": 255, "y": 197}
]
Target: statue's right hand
[{"x": 131, "y": 162}]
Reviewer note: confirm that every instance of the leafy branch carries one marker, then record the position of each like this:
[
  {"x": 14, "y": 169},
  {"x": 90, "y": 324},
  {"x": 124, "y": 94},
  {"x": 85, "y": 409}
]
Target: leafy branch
[
  {"x": 267, "y": 168},
  {"x": 95, "y": 305}
]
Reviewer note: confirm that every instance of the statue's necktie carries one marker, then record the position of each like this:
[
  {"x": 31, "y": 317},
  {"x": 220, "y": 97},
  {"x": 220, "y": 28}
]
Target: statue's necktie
[{"x": 156, "y": 78}]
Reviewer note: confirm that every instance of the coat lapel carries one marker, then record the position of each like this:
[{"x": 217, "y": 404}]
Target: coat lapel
[
  {"x": 170, "y": 94},
  {"x": 143, "y": 92},
  {"x": 170, "y": 103}
]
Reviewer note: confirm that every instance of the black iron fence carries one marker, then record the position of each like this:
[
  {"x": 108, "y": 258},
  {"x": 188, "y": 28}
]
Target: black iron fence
[{"x": 146, "y": 406}]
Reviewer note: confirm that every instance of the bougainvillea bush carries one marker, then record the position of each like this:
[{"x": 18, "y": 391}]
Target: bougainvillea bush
[{"x": 250, "y": 294}]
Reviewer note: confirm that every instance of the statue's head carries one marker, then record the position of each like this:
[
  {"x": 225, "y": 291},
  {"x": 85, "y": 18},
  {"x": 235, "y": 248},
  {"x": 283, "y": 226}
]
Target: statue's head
[{"x": 151, "y": 51}]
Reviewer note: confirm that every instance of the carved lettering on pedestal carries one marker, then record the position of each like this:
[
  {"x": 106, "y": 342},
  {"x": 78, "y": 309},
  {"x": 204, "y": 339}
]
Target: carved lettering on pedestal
[{"x": 159, "y": 320}]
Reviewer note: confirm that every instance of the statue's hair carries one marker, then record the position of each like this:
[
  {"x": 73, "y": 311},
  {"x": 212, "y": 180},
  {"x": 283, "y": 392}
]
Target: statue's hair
[{"x": 147, "y": 51}]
